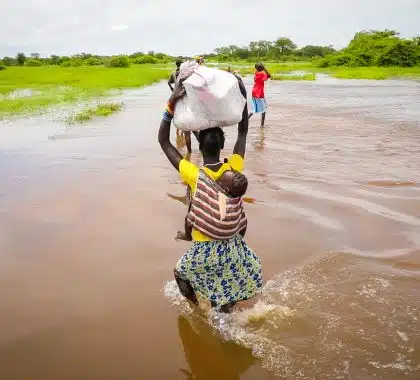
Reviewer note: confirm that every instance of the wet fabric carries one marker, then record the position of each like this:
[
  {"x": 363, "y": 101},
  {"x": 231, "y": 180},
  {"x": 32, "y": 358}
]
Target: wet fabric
[
  {"x": 259, "y": 105},
  {"x": 222, "y": 272}
]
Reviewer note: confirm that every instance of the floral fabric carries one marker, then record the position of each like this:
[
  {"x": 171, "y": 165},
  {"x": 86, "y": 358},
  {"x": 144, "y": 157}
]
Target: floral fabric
[{"x": 222, "y": 272}]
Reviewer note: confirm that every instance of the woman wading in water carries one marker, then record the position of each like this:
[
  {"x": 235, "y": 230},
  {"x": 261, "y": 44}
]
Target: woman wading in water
[{"x": 220, "y": 271}]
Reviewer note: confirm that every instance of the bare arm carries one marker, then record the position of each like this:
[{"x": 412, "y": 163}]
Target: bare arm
[
  {"x": 171, "y": 82},
  {"x": 240, "y": 145},
  {"x": 170, "y": 151},
  {"x": 268, "y": 74}
]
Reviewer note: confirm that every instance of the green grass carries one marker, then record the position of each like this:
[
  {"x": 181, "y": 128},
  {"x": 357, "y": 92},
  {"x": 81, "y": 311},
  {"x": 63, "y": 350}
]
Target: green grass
[
  {"x": 281, "y": 68},
  {"x": 88, "y": 113},
  {"x": 272, "y": 67},
  {"x": 57, "y": 85},
  {"x": 308, "y": 76},
  {"x": 374, "y": 72}
]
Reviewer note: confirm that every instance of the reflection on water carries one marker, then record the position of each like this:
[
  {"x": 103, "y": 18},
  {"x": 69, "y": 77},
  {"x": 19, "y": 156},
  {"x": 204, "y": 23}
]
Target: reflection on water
[
  {"x": 259, "y": 142},
  {"x": 203, "y": 349},
  {"x": 87, "y": 221}
]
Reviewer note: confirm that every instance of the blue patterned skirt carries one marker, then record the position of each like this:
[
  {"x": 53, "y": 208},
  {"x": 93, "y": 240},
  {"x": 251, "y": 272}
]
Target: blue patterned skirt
[{"x": 222, "y": 272}]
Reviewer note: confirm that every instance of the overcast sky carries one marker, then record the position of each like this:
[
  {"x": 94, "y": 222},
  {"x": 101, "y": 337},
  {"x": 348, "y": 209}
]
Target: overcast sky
[{"x": 188, "y": 27}]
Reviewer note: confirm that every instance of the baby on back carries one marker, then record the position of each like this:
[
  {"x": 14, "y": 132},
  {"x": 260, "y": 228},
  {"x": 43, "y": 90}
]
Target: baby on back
[{"x": 234, "y": 185}]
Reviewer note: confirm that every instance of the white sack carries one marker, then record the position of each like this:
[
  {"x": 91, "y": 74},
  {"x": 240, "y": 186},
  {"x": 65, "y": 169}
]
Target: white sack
[{"x": 213, "y": 99}]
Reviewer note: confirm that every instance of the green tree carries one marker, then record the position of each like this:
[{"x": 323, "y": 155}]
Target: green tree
[
  {"x": 136, "y": 54},
  {"x": 9, "y": 61},
  {"x": 260, "y": 48},
  {"x": 284, "y": 45},
  {"x": 20, "y": 59},
  {"x": 311, "y": 51},
  {"x": 54, "y": 59}
]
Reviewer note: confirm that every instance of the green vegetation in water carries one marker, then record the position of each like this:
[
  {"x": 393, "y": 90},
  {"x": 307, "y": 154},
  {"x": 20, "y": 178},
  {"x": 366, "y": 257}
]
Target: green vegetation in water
[
  {"x": 58, "y": 85},
  {"x": 88, "y": 113},
  {"x": 308, "y": 76}
]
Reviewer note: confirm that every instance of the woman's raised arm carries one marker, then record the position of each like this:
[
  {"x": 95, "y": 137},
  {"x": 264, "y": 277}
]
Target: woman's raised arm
[
  {"x": 170, "y": 151},
  {"x": 240, "y": 145}
]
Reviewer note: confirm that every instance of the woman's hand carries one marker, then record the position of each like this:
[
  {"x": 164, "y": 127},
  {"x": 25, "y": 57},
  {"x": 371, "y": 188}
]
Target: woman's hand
[{"x": 178, "y": 93}]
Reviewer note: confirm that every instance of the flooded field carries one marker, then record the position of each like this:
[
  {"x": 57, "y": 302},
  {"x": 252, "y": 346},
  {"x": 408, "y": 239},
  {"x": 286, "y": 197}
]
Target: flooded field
[{"x": 88, "y": 216}]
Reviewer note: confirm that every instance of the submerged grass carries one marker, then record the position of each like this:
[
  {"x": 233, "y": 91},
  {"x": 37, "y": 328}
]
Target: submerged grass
[
  {"x": 308, "y": 76},
  {"x": 88, "y": 113},
  {"x": 56, "y": 85}
]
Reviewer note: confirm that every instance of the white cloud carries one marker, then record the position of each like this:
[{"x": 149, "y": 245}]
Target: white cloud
[
  {"x": 186, "y": 27},
  {"x": 119, "y": 27}
]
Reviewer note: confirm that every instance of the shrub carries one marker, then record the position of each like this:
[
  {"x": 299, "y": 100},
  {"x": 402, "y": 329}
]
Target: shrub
[
  {"x": 33, "y": 62},
  {"x": 2, "y": 66},
  {"x": 74, "y": 62},
  {"x": 118, "y": 61},
  {"x": 338, "y": 59},
  {"x": 402, "y": 54},
  {"x": 8, "y": 61},
  {"x": 145, "y": 59},
  {"x": 94, "y": 62}
]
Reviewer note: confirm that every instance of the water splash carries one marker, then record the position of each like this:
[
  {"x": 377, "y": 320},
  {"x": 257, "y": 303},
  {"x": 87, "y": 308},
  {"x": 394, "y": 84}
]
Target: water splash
[{"x": 325, "y": 319}]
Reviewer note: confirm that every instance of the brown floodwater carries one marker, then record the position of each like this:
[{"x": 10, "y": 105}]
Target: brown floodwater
[{"x": 88, "y": 216}]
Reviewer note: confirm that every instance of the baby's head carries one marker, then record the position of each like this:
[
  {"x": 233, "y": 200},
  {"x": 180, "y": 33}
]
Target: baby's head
[{"x": 234, "y": 183}]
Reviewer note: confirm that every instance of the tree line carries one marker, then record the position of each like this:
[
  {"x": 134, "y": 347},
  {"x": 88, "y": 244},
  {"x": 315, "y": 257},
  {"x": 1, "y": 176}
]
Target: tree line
[
  {"x": 367, "y": 48},
  {"x": 86, "y": 59},
  {"x": 282, "y": 49}
]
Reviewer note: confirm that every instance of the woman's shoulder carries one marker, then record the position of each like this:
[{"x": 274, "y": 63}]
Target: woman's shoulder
[{"x": 188, "y": 171}]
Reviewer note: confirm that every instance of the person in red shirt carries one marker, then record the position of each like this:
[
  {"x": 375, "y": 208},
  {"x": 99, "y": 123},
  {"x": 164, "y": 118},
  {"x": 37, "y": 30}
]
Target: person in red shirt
[{"x": 259, "y": 104}]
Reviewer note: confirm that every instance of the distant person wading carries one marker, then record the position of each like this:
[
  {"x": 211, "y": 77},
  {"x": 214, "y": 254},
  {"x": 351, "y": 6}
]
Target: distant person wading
[{"x": 259, "y": 104}]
